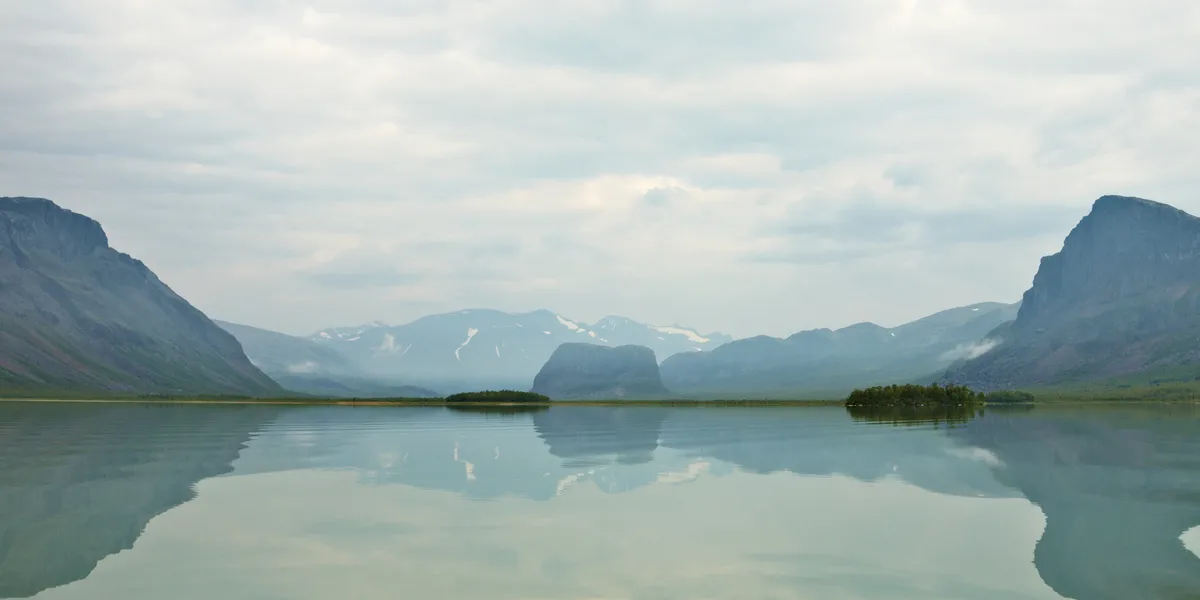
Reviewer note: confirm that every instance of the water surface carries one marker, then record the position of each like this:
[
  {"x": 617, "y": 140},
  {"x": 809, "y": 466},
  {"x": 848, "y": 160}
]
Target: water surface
[{"x": 156, "y": 501}]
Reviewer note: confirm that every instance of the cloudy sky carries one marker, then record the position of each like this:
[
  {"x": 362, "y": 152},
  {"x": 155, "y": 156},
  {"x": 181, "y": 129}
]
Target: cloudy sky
[{"x": 750, "y": 167}]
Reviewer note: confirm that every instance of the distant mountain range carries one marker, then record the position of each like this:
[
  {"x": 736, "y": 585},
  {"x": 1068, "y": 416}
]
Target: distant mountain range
[
  {"x": 828, "y": 363},
  {"x": 481, "y": 348},
  {"x": 1122, "y": 299},
  {"x": 77, "y": 316}
]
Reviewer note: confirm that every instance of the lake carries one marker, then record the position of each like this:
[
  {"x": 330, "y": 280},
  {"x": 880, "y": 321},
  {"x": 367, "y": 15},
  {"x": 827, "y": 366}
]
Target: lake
[{"x": 131, "y": 501}]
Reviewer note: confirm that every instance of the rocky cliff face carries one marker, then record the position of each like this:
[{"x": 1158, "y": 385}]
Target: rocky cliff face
[
  {"x": 78, "y": 317},
  {"x": 1122, "y": 297},
  {"x": 587, "y": 371}
]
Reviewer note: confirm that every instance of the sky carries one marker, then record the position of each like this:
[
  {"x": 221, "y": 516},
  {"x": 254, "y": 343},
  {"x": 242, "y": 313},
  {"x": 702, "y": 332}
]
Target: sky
[{"x": 754, "y": 167}]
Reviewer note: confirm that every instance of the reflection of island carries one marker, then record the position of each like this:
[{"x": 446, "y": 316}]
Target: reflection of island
[
  {"x": 1118, "y": 488},
  {"x": 81, "y": 482}
]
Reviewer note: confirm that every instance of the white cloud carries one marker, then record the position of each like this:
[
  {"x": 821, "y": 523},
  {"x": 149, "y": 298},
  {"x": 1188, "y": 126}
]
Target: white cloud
[
  {"x": 969, "y": 351},
  {"x": 754, "y": 169}
]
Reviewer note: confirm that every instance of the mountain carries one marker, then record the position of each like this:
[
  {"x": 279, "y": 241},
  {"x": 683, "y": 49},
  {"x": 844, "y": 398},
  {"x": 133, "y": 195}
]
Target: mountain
[
  {"x": 302, "y": 365},
  {"x": 828, "y": 362},
  {"x": 1121, "y": 298},
  {"x": 478, "y": 349},
  {"x": 77, "y": 317},
  {"x": 279, "y": 353},
  {"x": 589, "y": 371}
]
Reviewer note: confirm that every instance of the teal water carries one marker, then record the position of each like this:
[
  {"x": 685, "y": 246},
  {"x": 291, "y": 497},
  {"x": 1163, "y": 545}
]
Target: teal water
[{"x": 139, "y": 502}]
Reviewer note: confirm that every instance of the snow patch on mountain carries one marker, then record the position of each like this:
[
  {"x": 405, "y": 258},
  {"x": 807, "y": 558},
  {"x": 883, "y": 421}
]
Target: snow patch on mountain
[
  {"x": 688, "y": 333},
  {"x": 571, "y": 325},
  {"x": 470, "y": 334}
]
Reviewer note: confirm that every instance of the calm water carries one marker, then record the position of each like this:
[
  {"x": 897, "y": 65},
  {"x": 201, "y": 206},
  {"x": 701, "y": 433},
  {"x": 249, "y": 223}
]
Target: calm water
[{"x": 138, "y": 502}]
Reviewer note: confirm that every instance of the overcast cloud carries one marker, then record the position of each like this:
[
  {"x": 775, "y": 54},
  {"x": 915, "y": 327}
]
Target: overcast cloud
[{"x": 749, "y": 167}]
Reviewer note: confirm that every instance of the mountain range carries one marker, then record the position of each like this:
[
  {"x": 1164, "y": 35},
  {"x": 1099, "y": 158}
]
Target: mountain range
[
  {"x": 827, "y": 363},
  {"x": 482, "y": 348},
  {"x": 1121, "y": 300}
]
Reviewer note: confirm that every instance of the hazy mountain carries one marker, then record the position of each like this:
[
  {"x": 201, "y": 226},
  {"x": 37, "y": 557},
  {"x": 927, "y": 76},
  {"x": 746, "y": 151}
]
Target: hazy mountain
[
  {"x": 1122, "y": 297},
  {"x": 302, "y": 365},
  {"x": 476, "y": 349},
  {"x": 279, "y": 353},
  {"x": 589, "y": 371},
  {"x": 828, "y": 362},
  {"x": 77, "y": 316}
]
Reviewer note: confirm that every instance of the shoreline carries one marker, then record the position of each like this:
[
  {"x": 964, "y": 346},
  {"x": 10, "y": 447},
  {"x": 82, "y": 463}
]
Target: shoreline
[
  {"x": 424, "y": 403},
  {"x": 351, "y": 402}
]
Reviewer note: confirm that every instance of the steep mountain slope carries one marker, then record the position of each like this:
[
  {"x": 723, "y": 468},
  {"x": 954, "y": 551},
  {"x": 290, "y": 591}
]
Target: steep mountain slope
[
  {"x": 590, "y": 371},
  {"x": 1122, "y": 297},
  {"x": 823, "y": 361},
  {"x": 77, "y": 316},
  {"x": 477, "y": 349}
]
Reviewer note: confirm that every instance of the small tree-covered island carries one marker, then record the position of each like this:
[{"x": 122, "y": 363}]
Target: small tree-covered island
[
  {"x": 931, "y": 395},
  {"x": 915, "y": 395},
  {"x": 497, "y": 397}
]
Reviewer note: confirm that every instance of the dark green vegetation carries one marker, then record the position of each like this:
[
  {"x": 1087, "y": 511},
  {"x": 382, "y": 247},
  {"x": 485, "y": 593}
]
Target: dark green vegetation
[
  {"x": 1009, "y": 397},
  {"x": 77, "y": 316},
  {"x": 497, "y": 397},
  {"x": 915, "y": 395},
  {"x": 1121, "y": 300},
  {"x": 591, "y": 372}
]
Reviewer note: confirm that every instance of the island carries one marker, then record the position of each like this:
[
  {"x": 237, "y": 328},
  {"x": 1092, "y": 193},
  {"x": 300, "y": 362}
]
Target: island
[
  {"x": 915, "y": 395},
  {"x": 497, "y": 397}
]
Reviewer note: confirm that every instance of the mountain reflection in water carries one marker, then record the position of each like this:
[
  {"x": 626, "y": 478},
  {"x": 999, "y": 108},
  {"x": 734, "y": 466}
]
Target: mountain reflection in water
[{"x": 1117, "y": 486}]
